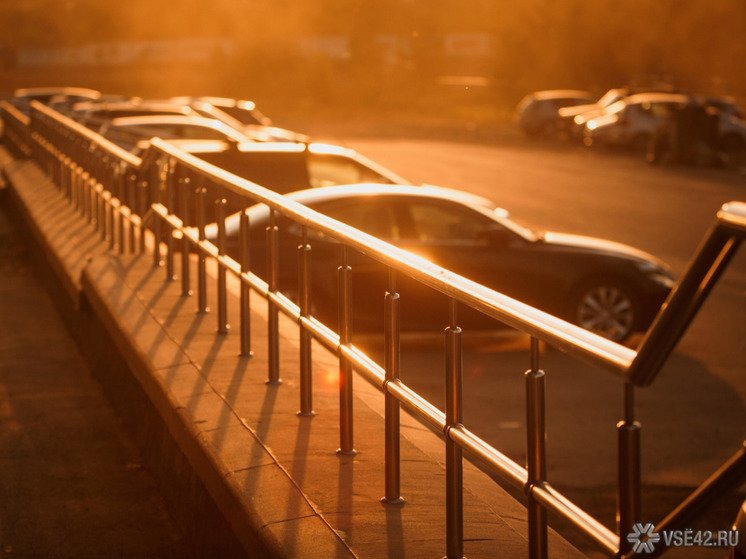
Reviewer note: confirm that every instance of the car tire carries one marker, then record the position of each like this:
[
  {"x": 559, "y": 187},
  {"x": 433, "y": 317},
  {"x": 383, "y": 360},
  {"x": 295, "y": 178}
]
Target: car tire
[{"x": 607, "y": 308}]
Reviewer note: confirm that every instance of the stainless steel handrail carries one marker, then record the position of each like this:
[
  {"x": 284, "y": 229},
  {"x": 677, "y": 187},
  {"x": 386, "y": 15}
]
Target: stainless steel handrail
[{"x": 87, "y": 168}]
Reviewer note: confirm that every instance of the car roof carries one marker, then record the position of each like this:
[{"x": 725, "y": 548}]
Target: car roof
[
  {"x": 217, "y": 101},
  {"x": 54, "y": 91},
  {"x": 214, "y": 146},
  {"x": 198, "y": 147},
  {"x": 155, "y": 120},
  {"x": 657, "y": 97},
  {"x": 562, "y": 93},
  {"x": 340, "y": 192},
  {"x": 124, "y": 105}
]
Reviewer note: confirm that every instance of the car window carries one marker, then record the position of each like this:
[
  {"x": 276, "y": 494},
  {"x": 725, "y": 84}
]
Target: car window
[
  {"x": 373, "y": 217},
  {"x": 243, "y": 115},
  {"x": 191, "y": 132},
  {"x": 282, "y": 172},
  {"x": 434, "y": 221},
  {"x": 331, "y": 170}
]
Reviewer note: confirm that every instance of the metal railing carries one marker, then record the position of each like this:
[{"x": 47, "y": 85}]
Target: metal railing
[{"x": 168, "y": 190}]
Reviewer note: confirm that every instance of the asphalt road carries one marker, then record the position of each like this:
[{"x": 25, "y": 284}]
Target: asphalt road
[
  {"x": 71, "y": 483},
  {"x": 694, "y": 415}
]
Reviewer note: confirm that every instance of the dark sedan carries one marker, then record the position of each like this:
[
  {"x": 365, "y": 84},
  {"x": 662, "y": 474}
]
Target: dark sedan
[{"x": 606, "y": 287}]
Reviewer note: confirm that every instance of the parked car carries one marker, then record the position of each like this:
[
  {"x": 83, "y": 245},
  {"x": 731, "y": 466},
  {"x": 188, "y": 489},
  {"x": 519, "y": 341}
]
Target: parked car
[
  {"x": 606, "y": 287},
  {"x": 133, "y": 132},
  {"x": 632, "y": 121},
  {"x": 693, "y": 129},
  {"x": 242, "y": 115},
  {"x": 286, "y": 167},
  {"x": 574, "y": 118},
  {"x": 59, "y": 95},
  {"x": 95, "y": 114},
  {"x": 98, "y": 113},
  {"x": 537, "y": 113}
]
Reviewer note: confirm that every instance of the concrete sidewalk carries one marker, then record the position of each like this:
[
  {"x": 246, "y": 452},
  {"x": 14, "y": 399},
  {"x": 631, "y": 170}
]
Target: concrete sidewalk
[
  {"x": 240, "y": 469},
  {"x": 71, "y": 483}
]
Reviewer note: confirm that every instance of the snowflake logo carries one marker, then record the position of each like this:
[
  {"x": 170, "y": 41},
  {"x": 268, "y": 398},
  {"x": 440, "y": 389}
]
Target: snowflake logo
[{"x": 643, "y": 537}]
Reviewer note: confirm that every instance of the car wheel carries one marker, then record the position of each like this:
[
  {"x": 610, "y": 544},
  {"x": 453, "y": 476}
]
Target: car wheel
[{"x": 606, "y": 308}]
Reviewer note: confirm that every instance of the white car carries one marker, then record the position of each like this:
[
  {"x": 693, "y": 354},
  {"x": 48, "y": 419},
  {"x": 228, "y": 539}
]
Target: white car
[
  {"x": 537, "y": 113},
  {"x": 241, "y": 115},
  {"x": 574, "y": 118},
  {"x": 635, "y": 120},
  {"x": 632, "y": 121},
  {"x": 287, "y": 166},
  {"x": 133, "y": 132},
  {"x": 46, "y": 95}
]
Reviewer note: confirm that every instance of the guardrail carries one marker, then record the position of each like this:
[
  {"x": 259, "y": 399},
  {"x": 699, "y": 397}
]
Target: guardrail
[{"x": 124, "y": 195}]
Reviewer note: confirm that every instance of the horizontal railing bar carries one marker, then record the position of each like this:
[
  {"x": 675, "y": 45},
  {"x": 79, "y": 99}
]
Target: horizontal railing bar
[
  {"x": 416, "y": 404},
  {"x": 552, "y": 500},
  {"x": 89, "y": 135},
  {"x": 322, "y": 333},
  {"x": 14, "y": 112},
  {"x": 498, "y": 462}
]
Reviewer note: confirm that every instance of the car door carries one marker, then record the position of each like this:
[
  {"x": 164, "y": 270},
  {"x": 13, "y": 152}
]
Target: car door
[
  {"x": 371, "y": 215},
  {"x": 468, "y": 242}
]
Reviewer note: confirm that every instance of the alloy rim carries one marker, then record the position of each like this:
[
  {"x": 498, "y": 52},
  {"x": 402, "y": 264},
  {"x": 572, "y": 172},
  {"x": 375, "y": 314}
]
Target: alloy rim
[{"x": 608, "y": 311}]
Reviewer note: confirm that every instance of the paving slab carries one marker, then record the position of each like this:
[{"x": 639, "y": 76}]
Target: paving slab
[{"x": 72, "y": 485}]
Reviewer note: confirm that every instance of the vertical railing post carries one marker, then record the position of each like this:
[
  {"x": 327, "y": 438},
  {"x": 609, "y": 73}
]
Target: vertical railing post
[
  {"x": 346, "y": 424},
  {"x": 186, "y": 247},
  {"x": 245, "y": 250},
  {"x": 170, "y": 186},
  {"x": 155, "y": 186},
  {"x": 142, "y": 192},
  {"x": 536, "y": 453},
  {"x": 304, "y": 302},
  {"x": 131, "y": 186},
  {"x": 201, "y": 257},
  {"x": 628, "y": 503},
  {"x": 92, "y": 195},
  {"x": 84, "y": 195},
  {"x": 454, "y": 462},
  {"x": 391, "y": 367},
  {"x": 108, "y": 198},
  {"x": 88, "y": 198},
  {"x": 273, "y": 312},
  {"x": 109, "y": 219},
  {"x": 222, "y": 287},
  {"x": 120, "y": 178},
  {"x": 73, "y": 192}
]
